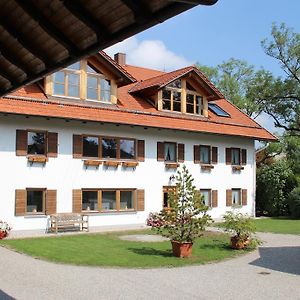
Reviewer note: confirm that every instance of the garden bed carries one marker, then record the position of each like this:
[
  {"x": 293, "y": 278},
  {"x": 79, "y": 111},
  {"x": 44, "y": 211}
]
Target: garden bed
[{"x": 110, "y": 251}]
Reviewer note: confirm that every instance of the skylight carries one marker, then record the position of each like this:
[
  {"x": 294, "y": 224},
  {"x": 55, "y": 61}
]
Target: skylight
[{"x": 218, "y": 110}]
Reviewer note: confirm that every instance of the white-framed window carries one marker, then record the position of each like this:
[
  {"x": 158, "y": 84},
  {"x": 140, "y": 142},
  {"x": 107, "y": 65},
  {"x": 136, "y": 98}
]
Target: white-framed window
[
  {"x": 205, "y": 154},
  {"x": 35, "y": 201}
]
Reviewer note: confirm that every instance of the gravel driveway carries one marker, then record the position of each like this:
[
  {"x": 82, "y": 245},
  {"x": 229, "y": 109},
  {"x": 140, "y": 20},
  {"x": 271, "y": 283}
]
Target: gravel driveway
[{"x": 271, "y": 272}]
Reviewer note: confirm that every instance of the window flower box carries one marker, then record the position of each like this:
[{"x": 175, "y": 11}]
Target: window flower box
[
  {"x": 206, "y": 166},
  {"x": 92, "y": 163},
  {"x": 109, "y": 163},
  {"x": 130, "y": 164},
  {"x": 37, "y": 159},
  {"x": 237, "y": 168},
  {"x": 172, "y": 165}
]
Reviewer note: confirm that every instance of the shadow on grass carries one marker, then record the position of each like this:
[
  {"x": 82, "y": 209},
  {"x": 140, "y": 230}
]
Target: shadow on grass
[
  {"x": 216, "y": 245},
  {"x": 151, "y": 251},
  {"x": 283, "y": 259}
]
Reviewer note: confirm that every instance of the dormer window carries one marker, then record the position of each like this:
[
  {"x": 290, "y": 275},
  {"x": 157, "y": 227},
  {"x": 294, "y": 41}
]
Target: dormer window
[
  {"x": 173, "y": 96},
  {"x": 83, "y": 81},
  {"x": 98, "y": 87}
]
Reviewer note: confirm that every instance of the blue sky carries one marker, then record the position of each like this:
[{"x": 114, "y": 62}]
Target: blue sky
[{"x": 213, "y": 34}]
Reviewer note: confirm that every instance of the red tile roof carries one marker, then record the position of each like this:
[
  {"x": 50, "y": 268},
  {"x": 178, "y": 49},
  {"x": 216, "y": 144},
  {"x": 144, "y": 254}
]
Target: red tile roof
[
  {"x": 134, "y": 110},
  {"x": 166, "y": 78},
  {"x": 127, "y": 117}
]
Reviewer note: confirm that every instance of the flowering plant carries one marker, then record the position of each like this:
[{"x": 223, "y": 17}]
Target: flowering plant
[{"x": 4, "y": 227}]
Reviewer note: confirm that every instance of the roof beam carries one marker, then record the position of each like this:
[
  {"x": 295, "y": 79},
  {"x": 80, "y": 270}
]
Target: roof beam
[
  {"x": 30, "y": 8},
  {"x": 7, "y": 76},
  {"x": 140, "y": 10},
  {"x": 81, "y": 13},
  {"x": 23, "y": 40},
  {"x": 13, "y": 59}
]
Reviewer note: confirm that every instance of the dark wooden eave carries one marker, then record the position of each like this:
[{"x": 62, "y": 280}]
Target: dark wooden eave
[{"x": 39, "y": 37}]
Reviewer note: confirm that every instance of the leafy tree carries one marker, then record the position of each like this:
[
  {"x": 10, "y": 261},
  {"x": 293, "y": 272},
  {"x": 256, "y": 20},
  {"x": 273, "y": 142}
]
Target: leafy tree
[
  {"x": 280, "y": 97},
  {"x": 235, "y": 79},
  {"x": 294, "y": 202},
  {"x": 273, "y": 185}
]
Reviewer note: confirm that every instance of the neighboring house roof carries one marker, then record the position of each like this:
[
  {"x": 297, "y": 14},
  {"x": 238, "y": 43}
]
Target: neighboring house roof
[{"x": 133, "y": 109}]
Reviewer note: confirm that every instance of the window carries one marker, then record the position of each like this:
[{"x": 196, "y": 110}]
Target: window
[
  {"x": 235, "y": 156},
  {"x": 127, "y": 149},
  {"x": 218, "y": 110},
  {"x": 236, "y": 197},
  {"x": 109, "y": 200},
  {"x": 171, "y": 96},
  {"x": 36, "y": 143},
  {"x": 170, "y": 152},
  {"x": 109, "y": 148},
  {"x": 205, "y": 154},
  {"x": 90, "y": 146},
  {"x": 126, "y": 200},
  {"x": 206, "y": 197},
  {"x": 67, "y": 82},
  {"x": 167, "y": 190},
  {"x": 98, "y": 87},
  {"x": 90, "y": 200},
  {"x": 35, "y": 201}
]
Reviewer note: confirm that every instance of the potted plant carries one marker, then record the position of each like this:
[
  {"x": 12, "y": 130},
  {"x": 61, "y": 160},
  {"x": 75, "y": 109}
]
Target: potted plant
[
  {"x": 4, "y": 229},
  {"x": 186, "y": 218},
  {"x": 242, "y": 228}
]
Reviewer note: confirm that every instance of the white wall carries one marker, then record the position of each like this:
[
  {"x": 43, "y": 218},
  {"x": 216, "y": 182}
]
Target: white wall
[{"x": 65, "y": 173}]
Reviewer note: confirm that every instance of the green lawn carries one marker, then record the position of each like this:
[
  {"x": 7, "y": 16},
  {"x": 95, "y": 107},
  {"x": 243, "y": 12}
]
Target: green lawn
[
  {"x": 278, "y": 225},
  {"x": 108, "y": 250}
]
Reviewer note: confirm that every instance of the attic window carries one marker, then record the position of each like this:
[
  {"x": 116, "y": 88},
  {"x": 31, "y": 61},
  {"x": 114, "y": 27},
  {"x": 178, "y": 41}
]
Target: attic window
[
  {"x": 218, "y": 110},
  {"x": 82, "y": 80}
]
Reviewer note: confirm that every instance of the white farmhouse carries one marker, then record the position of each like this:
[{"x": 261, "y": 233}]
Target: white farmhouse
[{"x": 105, "y": 138}]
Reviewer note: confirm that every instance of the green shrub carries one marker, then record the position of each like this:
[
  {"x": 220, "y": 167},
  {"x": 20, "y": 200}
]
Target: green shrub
[
  {"x": 273, "y": 185},
  {"x": 294, "y": 203}
]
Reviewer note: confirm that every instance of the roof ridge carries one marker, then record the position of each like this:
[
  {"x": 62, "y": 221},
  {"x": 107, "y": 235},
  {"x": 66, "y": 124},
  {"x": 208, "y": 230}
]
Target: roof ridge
[{"x": 144, "y": 68}]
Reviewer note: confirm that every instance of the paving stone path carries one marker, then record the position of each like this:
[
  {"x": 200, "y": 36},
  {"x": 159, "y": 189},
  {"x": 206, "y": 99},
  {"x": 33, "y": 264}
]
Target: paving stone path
[{"x": 271, "y": 272}]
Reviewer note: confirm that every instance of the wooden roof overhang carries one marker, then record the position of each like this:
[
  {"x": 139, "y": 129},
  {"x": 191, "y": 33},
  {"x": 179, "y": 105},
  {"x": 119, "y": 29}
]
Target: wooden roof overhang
[{"x": 38, "y": 37}]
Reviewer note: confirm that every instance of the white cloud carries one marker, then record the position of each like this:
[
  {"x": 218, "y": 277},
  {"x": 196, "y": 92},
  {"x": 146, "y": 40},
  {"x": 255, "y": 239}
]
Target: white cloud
[{"x": 150, "y": 54}]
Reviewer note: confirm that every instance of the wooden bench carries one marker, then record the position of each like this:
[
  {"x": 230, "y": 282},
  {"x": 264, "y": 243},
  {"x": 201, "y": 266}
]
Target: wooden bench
[{"x": 67, "y": 221}]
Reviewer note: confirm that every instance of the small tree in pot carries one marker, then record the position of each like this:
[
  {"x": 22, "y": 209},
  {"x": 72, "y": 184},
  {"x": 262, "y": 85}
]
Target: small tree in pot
[
  {"x": 187, "y": 217},
  {"x": 242, "y": 228}
]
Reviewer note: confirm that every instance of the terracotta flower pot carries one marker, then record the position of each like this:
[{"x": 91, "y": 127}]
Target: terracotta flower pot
[
  {"x": 3, "y": 234},
  {"x": 238, "y": 243},
  {"x": 182, "y": 249}
]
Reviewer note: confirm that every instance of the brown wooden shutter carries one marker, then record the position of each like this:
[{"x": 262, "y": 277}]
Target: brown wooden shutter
[
  {"x": 140, "y": 200},
  {"x": 244, "y": 156},
  {"x": 20, "y": 202},
  {"x": 244, "y": 197},
  {"x": 77, "y": 146},
  {"x": 180, "y": 153},
  {"x": 228, "y": 197},
  {"x": 52, "y": 144},
  {"x": 21, "y": 142},
  {"x": 196, "y": 154},
  {"x": 51, "y": 202},
  {"x": 214, "y": 155},
  {"x": 214, "y": 197},
  {"x": 228, "y": 156},
  {"x": 160, "y": 151},
  {"x": 141, "y": 150},
  {"x": 77, "y": 201}
]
